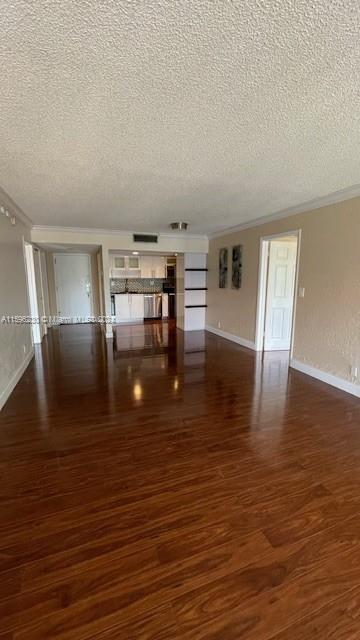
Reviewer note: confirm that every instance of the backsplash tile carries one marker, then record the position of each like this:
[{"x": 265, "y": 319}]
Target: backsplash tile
[{"x": 141, "y": 285}]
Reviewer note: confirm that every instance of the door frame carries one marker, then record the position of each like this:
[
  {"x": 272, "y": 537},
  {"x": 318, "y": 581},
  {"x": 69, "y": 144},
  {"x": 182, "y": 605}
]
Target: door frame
[
  {"x": 90, "y": 274},
  {"x": 31, "y": 291},
  {"x": 37, "y": 255},
  {"x": 262, "y": 286}
]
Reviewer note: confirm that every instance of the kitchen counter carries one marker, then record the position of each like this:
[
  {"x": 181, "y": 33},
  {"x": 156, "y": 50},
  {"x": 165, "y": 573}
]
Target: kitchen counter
[{"x": 134, "y": 307}]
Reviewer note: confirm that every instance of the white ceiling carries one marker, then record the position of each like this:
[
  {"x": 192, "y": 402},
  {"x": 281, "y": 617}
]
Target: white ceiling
[{"x": 130, "y": 115}]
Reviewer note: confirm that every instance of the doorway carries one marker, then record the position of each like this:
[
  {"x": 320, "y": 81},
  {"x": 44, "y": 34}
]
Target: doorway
[
  {"x": 276, "y": 295},
  {"x": 36, "y": 331},
  {"x": 73, "y": 286},
  {"x": 40, "y": 291}
]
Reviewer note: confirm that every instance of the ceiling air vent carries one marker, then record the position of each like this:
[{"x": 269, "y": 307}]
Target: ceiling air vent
[{"x": 144, "y": 237}]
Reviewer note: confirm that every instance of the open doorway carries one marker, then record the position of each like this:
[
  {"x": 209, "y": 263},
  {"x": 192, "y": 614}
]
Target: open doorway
[
  {"x": 33, "y": 295},
  {"x": 143, "y": 301},
  {"x": 41, "y": 289},
  {"x": 142, "y": 287},
  {"x": 278, "y": 272}
]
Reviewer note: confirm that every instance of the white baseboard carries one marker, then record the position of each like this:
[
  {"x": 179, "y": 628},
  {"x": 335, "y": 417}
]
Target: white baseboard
[
  {"x": 329, "y": 378},
  {"x": 15, "y": 378},
  {"x": 230, "y": 336}
]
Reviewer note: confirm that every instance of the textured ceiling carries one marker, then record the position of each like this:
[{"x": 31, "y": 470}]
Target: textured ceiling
[{"x": 128, "y": 115}]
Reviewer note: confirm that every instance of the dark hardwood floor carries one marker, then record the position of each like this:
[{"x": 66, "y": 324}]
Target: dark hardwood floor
[{"x": 176, "y": 486}]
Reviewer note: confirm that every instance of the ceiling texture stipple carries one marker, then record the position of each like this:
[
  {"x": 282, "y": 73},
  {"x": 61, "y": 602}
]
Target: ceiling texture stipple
[{"x": 129, "y": 115}]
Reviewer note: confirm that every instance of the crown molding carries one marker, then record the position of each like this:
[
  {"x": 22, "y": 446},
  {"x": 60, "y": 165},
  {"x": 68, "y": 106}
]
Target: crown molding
[
  {"x": 316, "y": 203},
  {"x": 116, "y": 232},
  {"x": 89, "y": 230},
  {"x": 10, "y": 204}
]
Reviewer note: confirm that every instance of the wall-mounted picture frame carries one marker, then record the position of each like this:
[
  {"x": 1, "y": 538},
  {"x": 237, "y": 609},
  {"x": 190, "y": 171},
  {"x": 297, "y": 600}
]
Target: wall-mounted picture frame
[
  {"x": 223, "y": 268},
  {"x": 236, "y": 267}
]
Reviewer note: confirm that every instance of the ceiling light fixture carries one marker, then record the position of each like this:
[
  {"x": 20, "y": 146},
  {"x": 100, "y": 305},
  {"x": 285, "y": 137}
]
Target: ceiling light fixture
[
  {"x": 179, "y": 226},
  {"x": 135, "y": 253}
]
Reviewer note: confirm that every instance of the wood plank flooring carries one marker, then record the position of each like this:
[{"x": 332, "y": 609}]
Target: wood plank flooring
[{"x": 176, "y": 486}]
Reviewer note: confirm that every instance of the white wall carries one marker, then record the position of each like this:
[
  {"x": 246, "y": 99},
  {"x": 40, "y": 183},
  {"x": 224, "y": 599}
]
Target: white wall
[{"x": 16, "y": 347}]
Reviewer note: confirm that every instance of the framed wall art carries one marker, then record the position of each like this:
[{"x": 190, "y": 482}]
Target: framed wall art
[
  {"x": 223, "y": 268},
  {"x": 236, "y": 267}
]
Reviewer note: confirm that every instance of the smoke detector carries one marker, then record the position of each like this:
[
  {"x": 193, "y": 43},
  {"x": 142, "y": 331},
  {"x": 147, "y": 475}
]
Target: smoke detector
[{"x": 179, "y": 226}]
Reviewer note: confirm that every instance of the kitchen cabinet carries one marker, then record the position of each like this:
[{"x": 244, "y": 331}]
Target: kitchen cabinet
[
  {"x": 146, "y": 267},
  {"x": 137, "y": 266},
  {"x": 133, "y": 262},
  {"x": 160, "y": 268},
  {"x": 122, "y": 307},
  {"x": 136, "y": 306},
  {"x": 119, "y": 262},
  {"x": 152, "y": 266},
  {"x": 124, "y": 266},
  {"x": 129, "y": 307}
]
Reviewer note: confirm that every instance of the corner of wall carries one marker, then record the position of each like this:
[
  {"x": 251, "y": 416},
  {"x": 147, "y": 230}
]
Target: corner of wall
[
  {"x": 5, "y": 394},
  {"x": 324, "y": 376},
  {"x": 230, "y": 336}
]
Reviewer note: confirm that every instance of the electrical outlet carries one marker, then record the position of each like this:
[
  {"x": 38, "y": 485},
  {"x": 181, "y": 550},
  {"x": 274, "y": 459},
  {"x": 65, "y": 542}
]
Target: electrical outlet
[
  {"x": 301, "y": 292},
  {"x": 354, "y": 371},
  {"x": 24, "y": 348},
  {"x": 219, "y": 325}
]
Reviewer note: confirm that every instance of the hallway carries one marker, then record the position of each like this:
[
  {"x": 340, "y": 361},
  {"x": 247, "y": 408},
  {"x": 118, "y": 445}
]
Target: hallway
[{"x": 173, "y": 486}]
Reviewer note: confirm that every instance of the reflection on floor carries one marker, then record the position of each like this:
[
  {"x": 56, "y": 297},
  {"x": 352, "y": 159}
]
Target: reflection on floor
[
  {"x": 158, "y": 347},
  {"x": 146, "y": 339}
]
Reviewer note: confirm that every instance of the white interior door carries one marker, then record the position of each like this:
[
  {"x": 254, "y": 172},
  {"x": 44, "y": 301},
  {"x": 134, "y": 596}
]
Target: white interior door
[
  {"x": 280, "y": 295},
  {"x": 73, "y": 288}
]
